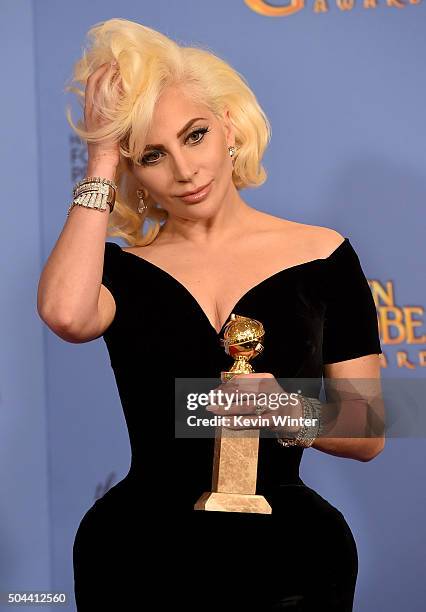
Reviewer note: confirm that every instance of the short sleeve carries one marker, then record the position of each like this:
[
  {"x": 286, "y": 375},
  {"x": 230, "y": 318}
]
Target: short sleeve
[
  {"x": 350, "y": 323},
  {"x": 112, "y": 280},
  {"x": 110, "y": 270}
]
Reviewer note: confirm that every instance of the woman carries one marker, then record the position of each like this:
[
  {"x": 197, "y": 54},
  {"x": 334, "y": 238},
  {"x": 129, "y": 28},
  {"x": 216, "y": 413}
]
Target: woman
[{"x": 160, "y": 123}]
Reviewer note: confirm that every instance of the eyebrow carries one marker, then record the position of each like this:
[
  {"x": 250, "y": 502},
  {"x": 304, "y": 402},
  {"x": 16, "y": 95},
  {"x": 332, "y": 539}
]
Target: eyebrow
[{"x": 182, "y": 131}]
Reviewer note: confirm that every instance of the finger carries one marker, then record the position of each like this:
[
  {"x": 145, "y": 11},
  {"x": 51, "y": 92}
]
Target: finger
[
  {"x": 96, "y": 76},
  {"x": 253, "y": 375},
  {"x": 117, "y": 82},
  {"x": 232, "y": 387},
  {"x": 113, "y": 75},
  {"x": 224, "y": 393},
  {"x": 263, "y": 383},
  {"x": 251, "y": 382},
  {"x": 242, "y": 422},
  {"x": 241, "y": 408},
  {"x": 93, "y": 86},
  {"x": 97, "y": 73},
  {"x": 238, "y": 422}
]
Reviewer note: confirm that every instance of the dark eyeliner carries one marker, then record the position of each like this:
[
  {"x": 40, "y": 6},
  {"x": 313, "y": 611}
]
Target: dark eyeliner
[{"x": 202, "y": 131}]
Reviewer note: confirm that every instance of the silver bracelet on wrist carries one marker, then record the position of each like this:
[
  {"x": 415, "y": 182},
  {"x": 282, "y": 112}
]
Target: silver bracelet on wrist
[
  {"x": 94, "y": 192},
  {"x": 311, "y": 409}
]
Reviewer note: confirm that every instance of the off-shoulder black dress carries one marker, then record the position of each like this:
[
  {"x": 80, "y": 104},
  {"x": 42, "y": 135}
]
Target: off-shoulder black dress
[{"x": 142, "y": 546}]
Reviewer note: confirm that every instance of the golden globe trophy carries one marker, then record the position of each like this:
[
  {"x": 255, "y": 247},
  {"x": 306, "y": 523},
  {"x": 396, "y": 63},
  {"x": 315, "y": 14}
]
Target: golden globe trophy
[{"x": 235, "y": 451}]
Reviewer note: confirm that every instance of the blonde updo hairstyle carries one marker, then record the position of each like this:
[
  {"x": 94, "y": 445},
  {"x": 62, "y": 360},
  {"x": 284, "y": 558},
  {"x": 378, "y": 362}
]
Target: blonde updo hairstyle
[{"x": 148, "y": 63}]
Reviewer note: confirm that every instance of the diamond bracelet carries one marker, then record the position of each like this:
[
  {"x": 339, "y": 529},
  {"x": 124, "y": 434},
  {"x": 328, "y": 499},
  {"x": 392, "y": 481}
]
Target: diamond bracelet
[
  {"x": 94, "y": 192},
  {"x": 311, "y": 409}
]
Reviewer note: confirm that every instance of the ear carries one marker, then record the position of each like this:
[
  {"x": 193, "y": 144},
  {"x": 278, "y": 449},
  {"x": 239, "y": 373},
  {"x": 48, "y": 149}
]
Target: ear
[{"x": 228, "y": 128}]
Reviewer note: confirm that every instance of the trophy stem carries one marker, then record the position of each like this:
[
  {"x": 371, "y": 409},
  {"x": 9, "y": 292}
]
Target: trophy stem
[{"x": 241, "y": 365}]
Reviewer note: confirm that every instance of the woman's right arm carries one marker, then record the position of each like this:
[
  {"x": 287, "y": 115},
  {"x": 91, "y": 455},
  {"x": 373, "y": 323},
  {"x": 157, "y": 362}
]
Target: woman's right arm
[{"x": 71, "y": 299}]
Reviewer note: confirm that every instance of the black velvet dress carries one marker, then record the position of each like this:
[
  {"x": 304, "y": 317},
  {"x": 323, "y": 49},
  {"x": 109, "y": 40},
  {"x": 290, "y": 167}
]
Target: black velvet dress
[{"x": 142, "y": 546}]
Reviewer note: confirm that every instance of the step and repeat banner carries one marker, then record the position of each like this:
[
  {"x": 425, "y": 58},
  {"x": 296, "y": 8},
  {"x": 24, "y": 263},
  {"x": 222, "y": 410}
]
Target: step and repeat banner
[{"x": 343, "y": 86}]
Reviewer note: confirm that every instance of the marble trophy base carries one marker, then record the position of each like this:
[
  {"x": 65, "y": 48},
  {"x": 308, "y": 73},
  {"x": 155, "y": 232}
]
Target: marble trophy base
[
  {"x": 233, "y": 502},
  {"x": 234, "y": 474}
]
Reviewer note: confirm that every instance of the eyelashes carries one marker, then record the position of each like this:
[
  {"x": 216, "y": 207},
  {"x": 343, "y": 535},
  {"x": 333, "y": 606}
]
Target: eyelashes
[{"x": 143, "y": 161}]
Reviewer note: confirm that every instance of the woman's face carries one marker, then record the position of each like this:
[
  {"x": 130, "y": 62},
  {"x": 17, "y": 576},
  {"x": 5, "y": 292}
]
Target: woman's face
[{"x": 177, "y": 161}]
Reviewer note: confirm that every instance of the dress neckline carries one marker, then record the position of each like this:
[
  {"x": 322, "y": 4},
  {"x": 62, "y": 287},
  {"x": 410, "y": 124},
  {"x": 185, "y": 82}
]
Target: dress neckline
[{"x": 246, "y": 293}]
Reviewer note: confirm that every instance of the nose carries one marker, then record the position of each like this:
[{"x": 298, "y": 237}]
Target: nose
[{"x": 183, "y": 166}]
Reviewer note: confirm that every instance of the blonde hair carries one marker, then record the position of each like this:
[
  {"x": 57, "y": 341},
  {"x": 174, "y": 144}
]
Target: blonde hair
[{"x": 149, "y": 62}]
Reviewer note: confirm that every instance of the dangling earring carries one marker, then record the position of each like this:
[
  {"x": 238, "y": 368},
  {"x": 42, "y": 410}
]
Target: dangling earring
[
  {"x": 231, "y": 151},
  {"x": 142, "y": 206}
]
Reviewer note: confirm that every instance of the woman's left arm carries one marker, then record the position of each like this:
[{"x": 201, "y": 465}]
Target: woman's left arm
[{"x": 355, "y": 405}]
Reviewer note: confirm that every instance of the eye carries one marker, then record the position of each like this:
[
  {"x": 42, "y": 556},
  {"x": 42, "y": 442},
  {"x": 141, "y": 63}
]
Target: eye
[
  {"x": 201, "y": 131},
  {"x": 145, "y": 160}
]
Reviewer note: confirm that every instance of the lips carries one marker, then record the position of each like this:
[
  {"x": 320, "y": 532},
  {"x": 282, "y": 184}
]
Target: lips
[
  {"x": 194, "y": 192},
  {"x": 199, "y": 195}
]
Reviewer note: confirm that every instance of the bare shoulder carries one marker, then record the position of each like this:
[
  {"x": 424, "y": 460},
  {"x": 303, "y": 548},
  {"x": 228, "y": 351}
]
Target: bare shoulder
[
  {"x": 324, "y": 240},
  {"x": 317, "y": 241}
]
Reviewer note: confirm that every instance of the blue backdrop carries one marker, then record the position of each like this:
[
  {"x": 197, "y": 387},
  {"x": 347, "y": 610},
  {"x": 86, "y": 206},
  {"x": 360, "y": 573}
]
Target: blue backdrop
[{"x": 343, "y": 86}]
